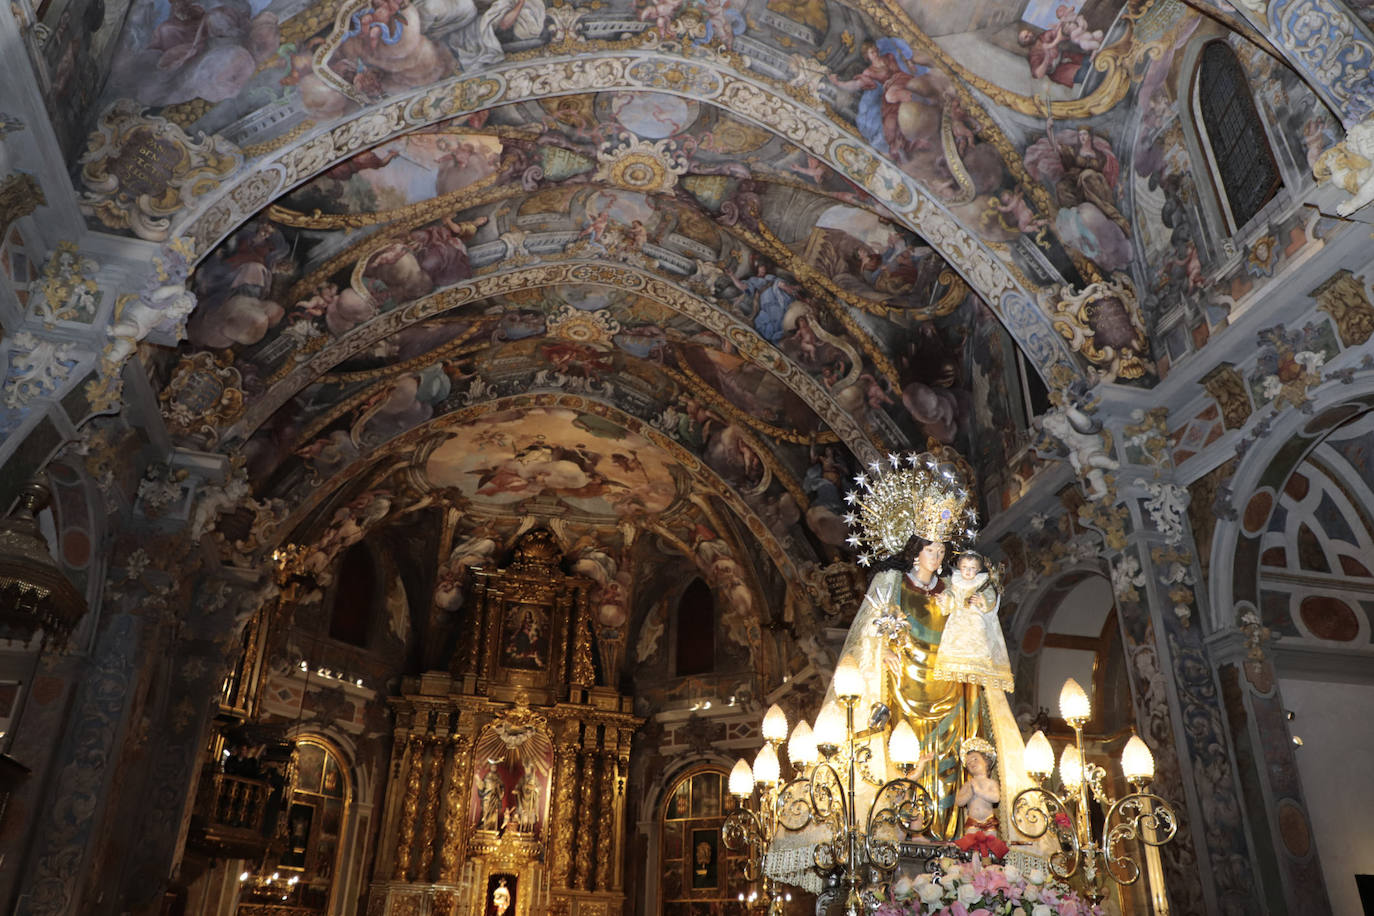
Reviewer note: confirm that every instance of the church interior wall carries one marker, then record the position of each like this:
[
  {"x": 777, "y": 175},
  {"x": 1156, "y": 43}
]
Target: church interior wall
[
  {"x": 658, "y": 298},
  {"x": 1323, "y": 714}
]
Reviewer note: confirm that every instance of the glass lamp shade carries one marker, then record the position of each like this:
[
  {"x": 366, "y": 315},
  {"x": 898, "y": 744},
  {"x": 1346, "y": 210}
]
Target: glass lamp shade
[
  {"x": 766, "y": 768},
  {"x": 801, "y": 747},
  {"x": 830, "y": 726},
  {"x": 1039, "y": 755},
  {"x": 849, "y": 681},
  {"x": 741, "y": 780},
  {"x": 1073, "y": 702},
  {"x": 1137, "y": 763},
  {"x": 775, "y": 724},
  {"x": 1070, "y": 768},
  {"x": 903, "y": 747}
]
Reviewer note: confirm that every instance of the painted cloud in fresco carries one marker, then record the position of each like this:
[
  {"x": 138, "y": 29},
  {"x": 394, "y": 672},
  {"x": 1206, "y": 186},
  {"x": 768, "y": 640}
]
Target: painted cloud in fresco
[{"x": 587, "y": 464}]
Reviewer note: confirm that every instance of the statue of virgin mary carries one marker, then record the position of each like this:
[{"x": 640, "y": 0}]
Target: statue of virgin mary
[{"x": 905, "y": 519}]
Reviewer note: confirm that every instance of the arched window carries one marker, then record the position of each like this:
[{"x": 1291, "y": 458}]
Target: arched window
[
  {"x": 355, "y": 595},
  {"x": 696, "y": 630},
  {"x": 1239, "y": 151},
  {"x": 698, "y": 873}
]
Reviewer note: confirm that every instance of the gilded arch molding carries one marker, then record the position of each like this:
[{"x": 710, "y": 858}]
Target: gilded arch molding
[
  {"x": 988, "y": 270},
  {"x": 620, "y": 276}
]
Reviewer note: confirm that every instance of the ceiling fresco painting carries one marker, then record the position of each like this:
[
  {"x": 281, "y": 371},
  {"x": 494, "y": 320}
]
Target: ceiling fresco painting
[
  {"x": 621, "y": 495},
  {"x": 1031, "y": 152},
  {"x": 791, "y": 319},
  {"x": 892, "y": 95},
  {"x": 667, "y": 273}
]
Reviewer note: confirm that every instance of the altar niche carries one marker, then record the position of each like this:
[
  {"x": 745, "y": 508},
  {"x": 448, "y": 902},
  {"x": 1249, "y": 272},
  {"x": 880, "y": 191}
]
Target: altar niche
[
  {"x": 530, "y": 638},
  {"x": 501, "y": 894},
  {"x": 510, "y": 779}
]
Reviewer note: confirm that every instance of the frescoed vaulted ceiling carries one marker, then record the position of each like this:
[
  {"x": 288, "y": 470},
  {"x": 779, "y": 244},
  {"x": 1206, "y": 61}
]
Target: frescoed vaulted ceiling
[{"x": 668, "y": 272}]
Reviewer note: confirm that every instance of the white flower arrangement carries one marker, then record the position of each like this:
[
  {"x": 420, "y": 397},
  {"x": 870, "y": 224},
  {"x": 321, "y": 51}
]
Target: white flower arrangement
[{"x": 974, "y": 889}]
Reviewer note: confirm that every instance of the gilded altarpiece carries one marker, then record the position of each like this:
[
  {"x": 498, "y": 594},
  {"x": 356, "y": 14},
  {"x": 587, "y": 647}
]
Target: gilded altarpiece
[{"x": 506, "y": 794}]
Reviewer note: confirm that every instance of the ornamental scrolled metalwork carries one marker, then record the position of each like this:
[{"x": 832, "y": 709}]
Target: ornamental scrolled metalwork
[
  {"x": 1139, "y": 815},
  {"x": 822, "y": 795}
]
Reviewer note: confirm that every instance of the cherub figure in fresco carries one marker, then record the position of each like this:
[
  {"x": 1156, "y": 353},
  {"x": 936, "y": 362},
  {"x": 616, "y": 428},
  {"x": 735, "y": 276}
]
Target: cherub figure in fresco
[
  {"x": 1073, "y": 28},
  {"x": 814, "y": 168},
  {"x": 661, "y": 14},
  {"x": 341, "y": 311},
  {"x": 595, "y": 230},
  {"x": 1316, "y": 137},
  {"x": 1016, "y": 213},
  {"x": 366, "y": 161},
  {"x": 1185, "y": 264},
  {"x": 637, "y": 236},
  {"x": 441, "y": 249},
  {"x": 855, "y": 393},
  {"x": 462, "y": 163},
  {"x": 378, "y": 23},
  {"x": 723, "y": 23},
  {"x": 960, "y": 124}
]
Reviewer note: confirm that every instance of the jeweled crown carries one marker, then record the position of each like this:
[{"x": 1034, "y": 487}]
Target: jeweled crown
[{"x": 927, "y": 497}]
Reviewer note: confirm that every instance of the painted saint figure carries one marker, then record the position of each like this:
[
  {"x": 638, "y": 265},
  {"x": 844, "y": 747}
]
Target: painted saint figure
[
  {"x": 895, "y": 102},
  {"x": 1089, "y": 174}
]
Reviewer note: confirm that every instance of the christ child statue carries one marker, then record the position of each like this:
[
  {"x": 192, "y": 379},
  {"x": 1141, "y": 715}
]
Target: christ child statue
[{"x": 972, "y": 649}]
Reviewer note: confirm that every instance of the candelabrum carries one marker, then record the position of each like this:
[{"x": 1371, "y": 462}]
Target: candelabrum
[
  {"x": 823, "y": 793},
  {"x": 751, "y": 828},
  {"x": 1140, "y": 815}
]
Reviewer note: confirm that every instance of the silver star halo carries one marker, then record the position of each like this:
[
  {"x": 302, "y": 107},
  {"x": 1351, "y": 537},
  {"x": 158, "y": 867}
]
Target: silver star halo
[{"x": 928, "y": 497}]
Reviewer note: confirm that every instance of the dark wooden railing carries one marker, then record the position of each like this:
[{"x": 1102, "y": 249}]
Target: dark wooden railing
[{"x": 230, "y": 814}]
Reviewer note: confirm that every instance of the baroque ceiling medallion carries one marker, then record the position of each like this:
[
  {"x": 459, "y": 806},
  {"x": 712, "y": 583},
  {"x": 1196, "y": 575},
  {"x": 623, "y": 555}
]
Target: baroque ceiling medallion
[
  {"x": 141, "y": 170},
  {"x": 573, "y": 324},
  {"x": 641, "y": 165},
  {"x": 1103, "y": 324},
  {"x": 203, "y": 397}
]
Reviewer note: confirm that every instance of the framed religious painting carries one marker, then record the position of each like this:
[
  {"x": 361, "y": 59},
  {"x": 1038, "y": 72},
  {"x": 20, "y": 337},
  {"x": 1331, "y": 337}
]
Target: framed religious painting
[
  {"x": 526, "y": 635},
  {"x": 527, "y": 615},
  {"x": 299, "y": 823}
]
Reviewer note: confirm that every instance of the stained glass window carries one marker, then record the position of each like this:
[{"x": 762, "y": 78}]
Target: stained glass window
[{"x": 1249, "y": 175}]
